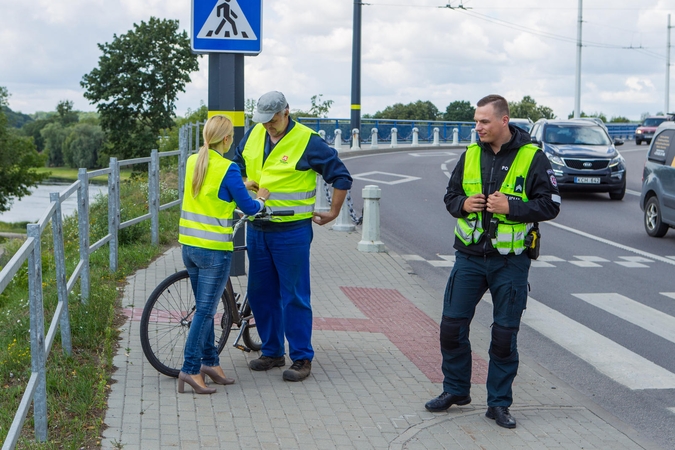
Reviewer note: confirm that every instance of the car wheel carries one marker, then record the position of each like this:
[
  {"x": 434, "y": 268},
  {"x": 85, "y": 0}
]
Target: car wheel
[
  {"x": 638, "y": 142},
  {"x": 618, "y": 195},
  {"x": 653, "y": 224}
]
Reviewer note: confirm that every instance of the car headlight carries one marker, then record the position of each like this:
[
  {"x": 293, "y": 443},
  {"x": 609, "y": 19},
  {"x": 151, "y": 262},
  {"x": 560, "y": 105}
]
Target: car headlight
[
  {"x": 555, "y": 159},
  {"x": 616, "y": 161},
  {"x": 638, "y": 131}
]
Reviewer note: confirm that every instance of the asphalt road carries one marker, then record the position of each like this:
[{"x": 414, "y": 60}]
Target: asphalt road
[{"x": 601, "y": 314}]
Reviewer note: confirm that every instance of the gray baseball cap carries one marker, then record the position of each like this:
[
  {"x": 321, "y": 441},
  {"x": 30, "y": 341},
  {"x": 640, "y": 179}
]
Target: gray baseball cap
[{"x": 268, "y": 105}]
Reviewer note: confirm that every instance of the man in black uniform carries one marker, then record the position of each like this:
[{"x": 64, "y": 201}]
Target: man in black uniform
[{"x": 499, "y": 190}]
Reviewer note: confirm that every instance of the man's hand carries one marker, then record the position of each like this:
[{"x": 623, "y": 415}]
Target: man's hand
[
  {"x": 251, "y": 185},
  {"x": 498, "y": 203},
  {"x": 322, "y": 218},
  {"x": 475, "y": 203}
]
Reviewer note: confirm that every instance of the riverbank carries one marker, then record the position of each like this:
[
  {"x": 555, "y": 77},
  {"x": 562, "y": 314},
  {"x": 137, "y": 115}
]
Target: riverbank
[{"x": 69, "y": 175}]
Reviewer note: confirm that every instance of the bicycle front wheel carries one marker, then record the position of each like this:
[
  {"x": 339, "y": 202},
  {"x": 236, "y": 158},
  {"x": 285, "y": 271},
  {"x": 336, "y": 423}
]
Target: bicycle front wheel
[
  {"x": 251, "y": 337},
  {"x": 166, "y": 321}
]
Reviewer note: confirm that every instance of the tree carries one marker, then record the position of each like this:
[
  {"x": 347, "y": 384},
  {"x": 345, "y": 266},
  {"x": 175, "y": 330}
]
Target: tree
[
  {"x": 83, "y": 145},
  {"x": 18, "y": 160},
  {"x": 65, "y": 114},
  {"x": 527, "y": 108},
  {"x": 460, "y": 111},
  {"x": 318, "y": 109},
  {"x": 136, "y": 84},
  {"x": 600, "y": 116},
  {"x": 419, "y": 110},
  {"x": 619, "y": 119},
  {"x": 53, "y": 136}
]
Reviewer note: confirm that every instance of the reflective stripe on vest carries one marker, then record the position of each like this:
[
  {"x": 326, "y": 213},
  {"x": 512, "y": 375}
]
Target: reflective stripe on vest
[
  {"x": 469, "y": 229},
  {"x": 206, "y": 221},
  {"x": 290, "y": 189},
  {"x": 510, "y": 236}
]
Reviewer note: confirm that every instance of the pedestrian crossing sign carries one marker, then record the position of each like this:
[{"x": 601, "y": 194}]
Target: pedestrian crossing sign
[{"x": 227, "y": 26}]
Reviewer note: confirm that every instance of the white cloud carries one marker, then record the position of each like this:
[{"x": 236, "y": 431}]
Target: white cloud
[{"x": 410, "y": 51}]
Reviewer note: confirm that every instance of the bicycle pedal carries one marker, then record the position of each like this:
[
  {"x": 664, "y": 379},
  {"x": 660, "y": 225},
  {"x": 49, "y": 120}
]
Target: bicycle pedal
[{"x": 243, "y": 348}]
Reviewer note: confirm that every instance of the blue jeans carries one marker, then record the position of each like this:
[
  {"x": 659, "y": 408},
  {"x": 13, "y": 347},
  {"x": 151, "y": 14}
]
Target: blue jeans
[
  {"x": 209, "y": 271},
  {"x": 471, "y": 277},
  {"x": 279, "y": 290}
]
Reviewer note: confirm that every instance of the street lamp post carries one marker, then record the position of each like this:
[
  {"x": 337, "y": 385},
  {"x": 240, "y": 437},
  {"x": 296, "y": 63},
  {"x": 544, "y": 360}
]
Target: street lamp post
[{"x": 355, "y": 122}]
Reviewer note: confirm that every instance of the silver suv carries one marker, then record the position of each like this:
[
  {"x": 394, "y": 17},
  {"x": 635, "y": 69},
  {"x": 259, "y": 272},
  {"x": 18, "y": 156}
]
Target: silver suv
[{"x": 657, "y": 199}]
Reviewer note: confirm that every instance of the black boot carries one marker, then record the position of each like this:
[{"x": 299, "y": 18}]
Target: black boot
[
  {"x": 501, "y": 415},
  {"x": 445, "y": 401}
]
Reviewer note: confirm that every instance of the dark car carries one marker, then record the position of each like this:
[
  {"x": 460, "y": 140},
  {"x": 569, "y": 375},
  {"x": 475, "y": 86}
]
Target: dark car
[
  {"x": 523, "y": 124},
  {"x": 646, "y": 130},
  {"x": 582, "y": 155},
  {"x": 657, "y": 198}
]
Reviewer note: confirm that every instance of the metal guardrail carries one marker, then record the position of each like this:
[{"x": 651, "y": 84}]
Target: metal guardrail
[
  {"x": 425, "y": 129},
  {"x": 30, "y": 251}
]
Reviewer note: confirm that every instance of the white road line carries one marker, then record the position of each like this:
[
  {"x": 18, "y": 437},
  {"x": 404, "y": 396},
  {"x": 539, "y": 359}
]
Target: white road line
[
  {"x": 612, "y": 243},
  {"x": 652, "y": 320},
  {"x": 632, "y": 192},
  {"x": 668, "y": 294},
  {"x": 611, "y": 359}
]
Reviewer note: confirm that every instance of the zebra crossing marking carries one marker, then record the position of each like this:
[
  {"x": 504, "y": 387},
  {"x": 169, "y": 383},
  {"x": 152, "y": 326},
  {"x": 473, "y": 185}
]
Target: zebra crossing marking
[
  {"x": 609, "y": 358},
  {"x": 650, "y": 319},
  {"x": 544, "y": 261}
]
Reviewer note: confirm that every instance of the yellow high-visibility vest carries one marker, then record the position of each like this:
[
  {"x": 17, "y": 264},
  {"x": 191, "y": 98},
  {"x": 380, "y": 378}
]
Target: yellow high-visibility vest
[
  {"x": 206, "y": 221},
  {"x": 290, "y": 189}
]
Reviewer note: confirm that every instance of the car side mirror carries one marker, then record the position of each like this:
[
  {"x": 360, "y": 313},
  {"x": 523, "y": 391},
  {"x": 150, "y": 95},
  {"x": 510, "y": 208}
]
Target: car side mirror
[
  {"x": 535, "y": 142},
  {"x": 618, "y": 141}
]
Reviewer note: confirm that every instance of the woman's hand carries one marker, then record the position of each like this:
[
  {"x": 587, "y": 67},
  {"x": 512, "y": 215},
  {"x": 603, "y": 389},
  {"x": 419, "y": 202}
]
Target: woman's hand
[
  {"x": 251, "y": 185},
  {"x": 263, "y": 193}
]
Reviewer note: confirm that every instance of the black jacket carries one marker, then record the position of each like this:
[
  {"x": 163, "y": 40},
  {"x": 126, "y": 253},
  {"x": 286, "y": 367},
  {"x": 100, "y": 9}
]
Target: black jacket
[{"x": 540, "y": 187}]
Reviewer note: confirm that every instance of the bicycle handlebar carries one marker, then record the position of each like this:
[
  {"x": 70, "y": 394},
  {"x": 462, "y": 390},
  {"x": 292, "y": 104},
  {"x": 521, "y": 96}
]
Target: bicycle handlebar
[{"x": 265, "y": 214}]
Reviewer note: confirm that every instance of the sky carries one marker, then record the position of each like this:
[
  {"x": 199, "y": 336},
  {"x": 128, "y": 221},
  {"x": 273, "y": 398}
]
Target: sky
[{"x": 411, "y": 50}]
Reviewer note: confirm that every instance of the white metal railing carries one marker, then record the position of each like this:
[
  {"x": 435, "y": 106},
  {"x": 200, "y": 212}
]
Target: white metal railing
[{"x": 30, "y": 251}]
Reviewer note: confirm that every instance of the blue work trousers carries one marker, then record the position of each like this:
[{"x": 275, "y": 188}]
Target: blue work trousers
[
  {"x": 209, "y": 271},
  {"x": 471, "y": 277},
  {"x": 279, "y": 290}
]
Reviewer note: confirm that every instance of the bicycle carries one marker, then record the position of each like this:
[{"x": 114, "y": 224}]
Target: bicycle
[{"x": 168, "y": 312}]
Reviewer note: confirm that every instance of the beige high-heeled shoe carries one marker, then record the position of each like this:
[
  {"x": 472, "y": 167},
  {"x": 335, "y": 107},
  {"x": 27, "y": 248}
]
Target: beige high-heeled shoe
[
  {"x": 214, "y": 375},
  {"x": 185, "y": 378}
]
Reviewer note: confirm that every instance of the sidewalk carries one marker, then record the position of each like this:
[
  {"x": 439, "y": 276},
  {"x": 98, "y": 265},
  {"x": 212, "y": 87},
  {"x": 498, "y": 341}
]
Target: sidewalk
[{"x": 377, "y": 362}]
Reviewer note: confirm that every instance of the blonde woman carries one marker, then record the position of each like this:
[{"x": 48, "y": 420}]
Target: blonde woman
[{"x": 212, "y": 187}]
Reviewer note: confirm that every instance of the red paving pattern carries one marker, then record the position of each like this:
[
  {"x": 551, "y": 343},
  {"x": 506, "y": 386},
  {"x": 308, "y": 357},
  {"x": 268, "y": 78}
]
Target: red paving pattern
[{"x": 409, "y": 329}]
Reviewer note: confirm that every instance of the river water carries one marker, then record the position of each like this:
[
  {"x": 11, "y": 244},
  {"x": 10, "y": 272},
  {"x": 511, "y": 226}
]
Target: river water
[{"x": 31, "y": 207}]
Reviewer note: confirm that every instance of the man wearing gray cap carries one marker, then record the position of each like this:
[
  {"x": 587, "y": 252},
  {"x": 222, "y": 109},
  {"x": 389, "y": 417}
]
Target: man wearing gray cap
[{"x": 284, "y": 156}]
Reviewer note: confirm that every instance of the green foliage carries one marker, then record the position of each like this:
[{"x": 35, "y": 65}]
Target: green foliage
[
  {"x": 419, "y": 110},
  {"x": 77, "y": 385},
  {"x": 319, "y": 108},
  {"x": 34, "y": 130},
  {"x": 600, "y": 116},
  {"x": 459, "y": 110},
  {"x": 136, "y": 84},
  {"x": 249, "y": 107},
  {"x": 619, "y": 119},
  {"x": 18, "y": 160},
  {"x": 54, "y": 136},
  {"x": 16, "y": 119},
  {"x": 527, "y": 108},
  {"x": 83, "y": 146},
  {"x": 65, "y": 114},
  {"x": 169, "y": 141}
]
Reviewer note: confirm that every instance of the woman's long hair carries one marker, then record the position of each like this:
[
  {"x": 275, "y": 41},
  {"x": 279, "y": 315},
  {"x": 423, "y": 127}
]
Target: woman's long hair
[{"x": 215, "y": 130}]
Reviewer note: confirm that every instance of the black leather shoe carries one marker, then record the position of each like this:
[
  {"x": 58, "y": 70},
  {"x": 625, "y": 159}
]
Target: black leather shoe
[
  {"x": 446, "y": 400},
  {"x": 501, "y": 415}
]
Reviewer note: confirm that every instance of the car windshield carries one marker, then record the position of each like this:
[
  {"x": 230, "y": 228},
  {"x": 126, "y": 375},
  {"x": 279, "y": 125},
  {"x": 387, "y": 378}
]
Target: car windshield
[
  {"x": 523, "y": 125},
  {"x": 653, "y": 122},
  {"x": 575, "y": 135}
]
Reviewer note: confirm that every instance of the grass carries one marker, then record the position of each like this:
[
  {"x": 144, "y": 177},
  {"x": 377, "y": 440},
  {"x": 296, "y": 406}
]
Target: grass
[
  {"x": 69, "y": 174},
  {"x": 78, "y": 385}
]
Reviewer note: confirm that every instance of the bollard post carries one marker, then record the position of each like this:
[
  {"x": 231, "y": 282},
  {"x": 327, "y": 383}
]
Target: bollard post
[
  {"x": 343, "y": 221},
  {"x": 338, "y": 140},
  {"x": 356, "y": 141},
  {"x": 473, "y": 135},
  {"x": 394, "y": 137},
  {"x": 370, "y": 238},
  {"x": 373, "y": 139},
  {"x": 455, "y": 136},
  {"x": 437, "y": 142},
  {"x": 322, "y": 133},
  {"x": 321, "y": 204},
  {"x": 415, "y": 137}
]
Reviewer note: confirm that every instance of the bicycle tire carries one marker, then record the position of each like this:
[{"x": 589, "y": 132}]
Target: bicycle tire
[
  {"x": 166, "y": 320},
  {"x": 250, "y": 336}
]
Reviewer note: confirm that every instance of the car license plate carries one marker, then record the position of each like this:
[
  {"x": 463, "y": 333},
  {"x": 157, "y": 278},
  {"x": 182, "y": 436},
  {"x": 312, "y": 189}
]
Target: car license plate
[{"x": 587, "y": 180}]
